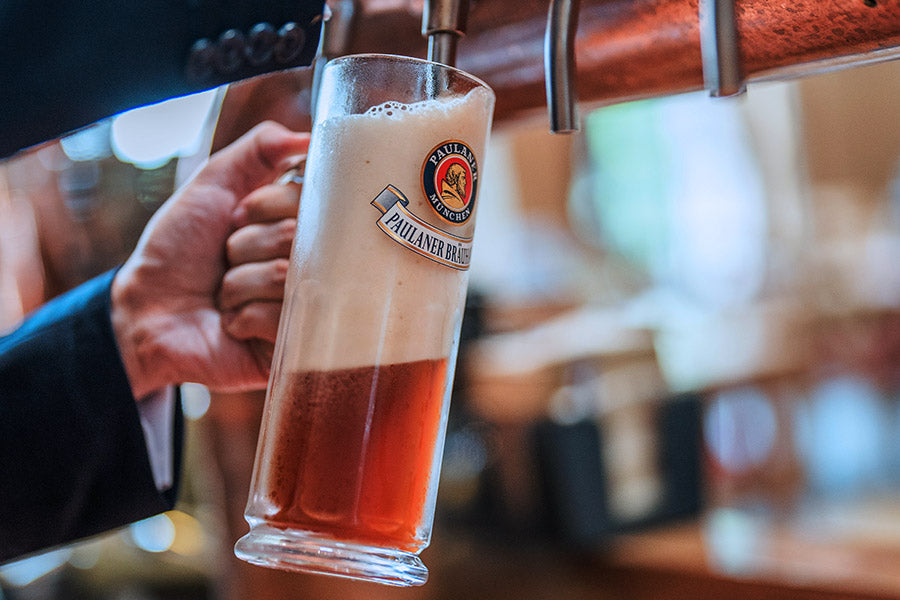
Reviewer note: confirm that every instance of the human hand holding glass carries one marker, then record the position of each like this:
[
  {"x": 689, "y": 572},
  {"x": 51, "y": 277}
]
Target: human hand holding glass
[
  {"x": 165, "y": 298},
  {"x": 257, "y": 253}
]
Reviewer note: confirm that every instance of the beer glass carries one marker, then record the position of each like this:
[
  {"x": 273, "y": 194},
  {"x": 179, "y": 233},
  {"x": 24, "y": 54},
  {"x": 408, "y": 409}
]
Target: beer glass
[{"x": 350, "y": 447}]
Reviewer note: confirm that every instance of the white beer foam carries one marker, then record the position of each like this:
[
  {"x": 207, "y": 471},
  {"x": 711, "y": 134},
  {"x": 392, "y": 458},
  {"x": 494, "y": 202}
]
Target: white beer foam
[
  {"x": 389, "y": 109},
  {"x": 399, "y": 109},
  {"x": 359, "y": 298}
]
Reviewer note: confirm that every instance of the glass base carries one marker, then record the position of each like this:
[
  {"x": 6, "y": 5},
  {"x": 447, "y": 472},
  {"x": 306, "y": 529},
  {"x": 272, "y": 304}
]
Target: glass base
[{"x": 305, "y": 551}]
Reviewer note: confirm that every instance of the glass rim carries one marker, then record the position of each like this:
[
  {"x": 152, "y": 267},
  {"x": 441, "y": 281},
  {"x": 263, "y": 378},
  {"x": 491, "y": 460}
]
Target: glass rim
[{"x": 402, "y": 58}]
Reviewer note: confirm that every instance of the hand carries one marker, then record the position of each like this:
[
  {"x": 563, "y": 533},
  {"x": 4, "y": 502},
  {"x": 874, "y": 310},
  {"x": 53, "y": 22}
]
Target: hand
[
  {"x": 258, "y": 256},
  {"x": 164, "y": 298}
]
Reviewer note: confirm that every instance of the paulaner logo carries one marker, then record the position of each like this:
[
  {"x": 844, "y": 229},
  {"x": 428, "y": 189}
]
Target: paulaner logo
[
  {"x": 424, "y": 239},
  {"x": 449, "y": 180}
]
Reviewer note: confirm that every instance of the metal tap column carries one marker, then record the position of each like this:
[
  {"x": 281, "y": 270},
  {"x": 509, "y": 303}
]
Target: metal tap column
[
  {"x": 443, "y": 23},
  {"x": 559, "y": 65}
]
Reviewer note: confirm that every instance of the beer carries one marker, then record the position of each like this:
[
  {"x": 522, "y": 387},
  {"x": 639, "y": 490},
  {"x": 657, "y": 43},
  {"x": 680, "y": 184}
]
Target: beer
[
  {"x": 352, "y": 436},
  {"x": 352, "y": 455}
]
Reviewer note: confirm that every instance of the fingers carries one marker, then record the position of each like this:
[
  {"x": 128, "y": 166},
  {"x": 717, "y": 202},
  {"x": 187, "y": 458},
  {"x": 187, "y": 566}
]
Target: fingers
[
  {"x": 254, "y": 321},
  {"x": 268, "y": 203},
  {"x": 251, "y": 292},
  {"x": 251, "y": 298},
  {"x": 251, "y": 282},
  {"x": 260, "y": 242},
  {"x": 256, "y": 158}
]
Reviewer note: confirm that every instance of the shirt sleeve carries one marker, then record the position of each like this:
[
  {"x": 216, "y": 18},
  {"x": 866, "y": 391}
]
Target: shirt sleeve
[
  {"x": 74, "y": 459},
  {"x": 157, "y": 414}
]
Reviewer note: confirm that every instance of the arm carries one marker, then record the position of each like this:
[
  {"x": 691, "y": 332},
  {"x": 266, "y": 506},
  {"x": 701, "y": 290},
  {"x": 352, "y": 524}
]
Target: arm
[
  {"x": 73, "y": 458},
  {"x": 72, "y": 455}
]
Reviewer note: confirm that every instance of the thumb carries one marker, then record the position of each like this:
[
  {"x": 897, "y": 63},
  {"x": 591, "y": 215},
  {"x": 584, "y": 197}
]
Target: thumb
[{"x": 256, "y": 158}]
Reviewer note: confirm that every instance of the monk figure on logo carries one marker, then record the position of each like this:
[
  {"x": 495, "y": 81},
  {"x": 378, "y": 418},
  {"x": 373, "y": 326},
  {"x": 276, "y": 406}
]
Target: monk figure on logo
[{"x": 453, "y": 187}]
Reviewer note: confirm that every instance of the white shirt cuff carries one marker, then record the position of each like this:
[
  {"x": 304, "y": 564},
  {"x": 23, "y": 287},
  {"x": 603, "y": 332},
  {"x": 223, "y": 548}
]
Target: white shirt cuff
[{"x": 157, "y": 411}]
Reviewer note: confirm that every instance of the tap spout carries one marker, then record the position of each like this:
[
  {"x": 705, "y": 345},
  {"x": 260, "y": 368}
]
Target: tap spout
[
  {"x": 340, "y": 18},
  {"x": 559, "y": 65},
  {"x": 443, "y": 23},
  {"x": 720, "y": 48}
]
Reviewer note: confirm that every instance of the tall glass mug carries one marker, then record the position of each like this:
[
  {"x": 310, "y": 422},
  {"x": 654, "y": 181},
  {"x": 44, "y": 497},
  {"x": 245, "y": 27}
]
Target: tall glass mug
[{"x": 347, "y": 465}]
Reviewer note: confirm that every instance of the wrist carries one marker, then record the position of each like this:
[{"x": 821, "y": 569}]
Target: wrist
[{"x": 137, "y": 328}]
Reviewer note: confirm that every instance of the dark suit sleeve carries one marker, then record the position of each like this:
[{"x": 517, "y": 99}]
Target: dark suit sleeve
[
  {"x": 73, "y": 460},
  {"x": 65, "y": 65}
]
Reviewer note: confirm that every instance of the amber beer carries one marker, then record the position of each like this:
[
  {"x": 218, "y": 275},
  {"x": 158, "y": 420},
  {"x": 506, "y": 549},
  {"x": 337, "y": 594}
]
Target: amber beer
[
  {"x": 349, "y": 453},
  {"x": 363, "y": 475}
]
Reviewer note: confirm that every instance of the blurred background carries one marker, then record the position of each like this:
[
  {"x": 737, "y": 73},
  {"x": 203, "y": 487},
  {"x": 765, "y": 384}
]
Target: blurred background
[{"x": 680, "y": 368}]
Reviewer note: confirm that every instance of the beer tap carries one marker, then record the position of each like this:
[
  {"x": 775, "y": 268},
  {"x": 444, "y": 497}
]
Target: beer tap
[
  {"x": 334, "y": 40},
  {"x": 720, "y": 52},
  {"x": 443, "y": 23},
  {"x": 559, "y": 65},
  {"x": 722, "y": 72}
]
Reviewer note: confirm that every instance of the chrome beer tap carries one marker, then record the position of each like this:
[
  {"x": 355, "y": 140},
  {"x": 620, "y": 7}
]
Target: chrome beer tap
[
  {"x": 443, "y": 23},
  {"x": 559, "y": 65},
  {"x": 334, "y": 40},
  {"x": 719, "y": 44}
]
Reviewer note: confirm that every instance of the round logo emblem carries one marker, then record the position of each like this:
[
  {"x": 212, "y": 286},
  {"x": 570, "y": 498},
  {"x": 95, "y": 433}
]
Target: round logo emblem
[{"x": 449, "y": 180}]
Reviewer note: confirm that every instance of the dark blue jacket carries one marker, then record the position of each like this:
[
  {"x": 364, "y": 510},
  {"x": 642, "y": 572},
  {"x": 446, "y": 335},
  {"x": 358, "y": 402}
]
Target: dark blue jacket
[
  {"x": 64, "y": 64},
  {"x": 73, "y": 461}
]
